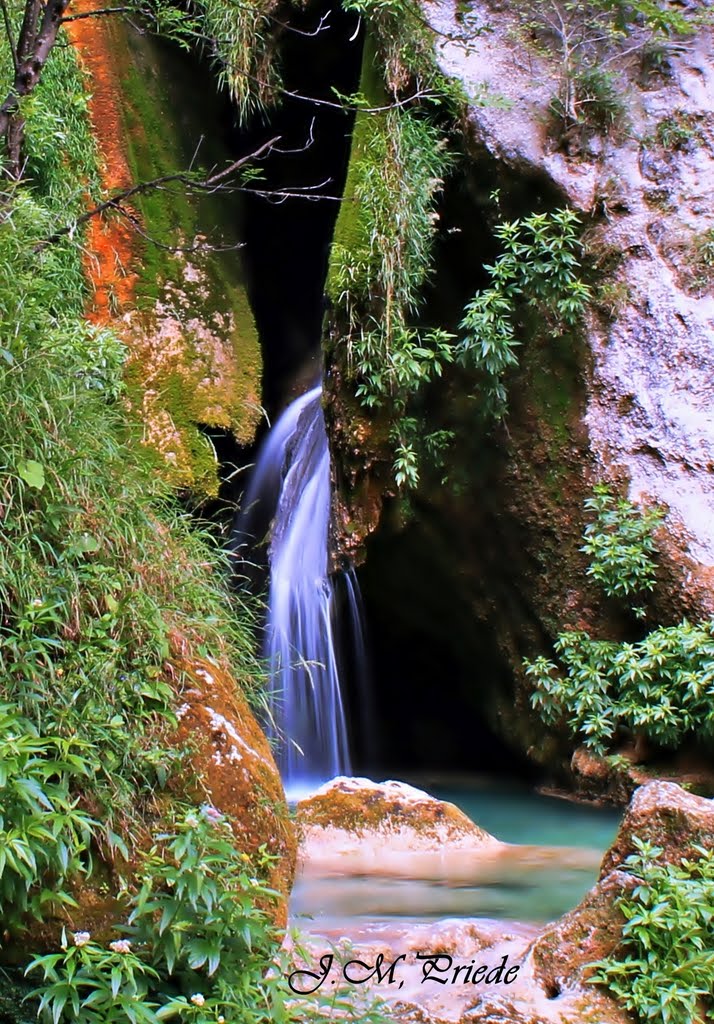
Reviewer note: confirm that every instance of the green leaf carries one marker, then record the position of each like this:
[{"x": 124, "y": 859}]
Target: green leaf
[{"x": 32, "y": 473}]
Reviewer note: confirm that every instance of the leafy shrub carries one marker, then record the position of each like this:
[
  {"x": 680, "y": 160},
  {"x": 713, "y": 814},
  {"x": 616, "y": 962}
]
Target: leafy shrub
[
  {"x": 540, "y": 267},
  {"x": 43, "y": 833},
  {"x": 600, "y": 97},
  {"x": 200, "y": 946},
  {"x": 381, "y": 259},
  {"x": 663, "y": 970},
  {"x": 197, "y": 944},
  {"x": 377, "y": 272},
  {"x": 620, "y": 543},
  {"x": 661, "y": 687}
]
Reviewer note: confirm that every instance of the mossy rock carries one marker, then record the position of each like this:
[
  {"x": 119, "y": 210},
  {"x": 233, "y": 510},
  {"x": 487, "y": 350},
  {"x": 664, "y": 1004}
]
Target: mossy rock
[
  {"x": 178, "y": 297},
  {"x": 228, "y": 764}
]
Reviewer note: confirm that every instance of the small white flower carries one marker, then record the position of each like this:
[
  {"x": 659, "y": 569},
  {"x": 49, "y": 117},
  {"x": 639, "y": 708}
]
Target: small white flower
[
  {"x": 81, "y": 938},
  {"x": 197, "y": 999},
  {"x": 191, "y": 820},
  {"x": 221, "y": 1019},
  {"x": 121, "y": 946},
  {"x": 37, "y": 603}
]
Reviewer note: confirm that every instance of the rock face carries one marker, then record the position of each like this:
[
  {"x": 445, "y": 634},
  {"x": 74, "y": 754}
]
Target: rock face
[
  {"x": 660, "y": 813},
  {"x": 167, "y": 276},
  {"x": 665, "y": 815},
  {"x": 235, "y": 768},
  {"x": 627, "y": 402},
  {"x": 648, "y": 409}
]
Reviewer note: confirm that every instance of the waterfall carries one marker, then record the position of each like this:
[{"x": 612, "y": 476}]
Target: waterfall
[{"x": 292, "y": 476}]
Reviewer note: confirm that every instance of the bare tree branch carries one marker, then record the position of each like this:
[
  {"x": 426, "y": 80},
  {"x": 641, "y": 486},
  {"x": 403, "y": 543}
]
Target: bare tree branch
[
  {"x": 100, "y": 12},
  {"x": 182, "y": 177},
  {"x": 8, "y": 32}
]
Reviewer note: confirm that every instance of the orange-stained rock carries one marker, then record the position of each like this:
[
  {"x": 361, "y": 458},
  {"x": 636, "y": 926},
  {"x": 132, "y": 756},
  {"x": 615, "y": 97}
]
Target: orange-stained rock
[
  {"x": 111, "y": 244},
  {"x": 230, "y": 766},
  {"x": 235, "y": 769}
]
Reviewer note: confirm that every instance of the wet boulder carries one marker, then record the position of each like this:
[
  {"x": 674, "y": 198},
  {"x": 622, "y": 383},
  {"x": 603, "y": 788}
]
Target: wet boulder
[
  {"x": 660, "y": 813},
  {"x": 357, "y": 826}
]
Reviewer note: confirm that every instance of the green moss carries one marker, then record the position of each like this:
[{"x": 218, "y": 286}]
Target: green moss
[
  {"x": 351, "y": 231},
  {"x": 163, "y": 99}
]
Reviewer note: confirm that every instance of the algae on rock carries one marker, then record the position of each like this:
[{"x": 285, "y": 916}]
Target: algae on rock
[{"x": 170, "y": 281}]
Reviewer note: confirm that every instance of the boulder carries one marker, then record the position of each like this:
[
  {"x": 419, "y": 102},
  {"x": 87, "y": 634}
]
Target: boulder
[
  {"x": 665, "y": 815},
  {"x": 357, "y": 826},
  {"x": 660, "y": 813},
  {"x": 234, "y": 768}
]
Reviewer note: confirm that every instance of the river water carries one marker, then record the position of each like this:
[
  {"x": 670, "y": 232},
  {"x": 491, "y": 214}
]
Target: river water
[{"x": 560, "y": 848}]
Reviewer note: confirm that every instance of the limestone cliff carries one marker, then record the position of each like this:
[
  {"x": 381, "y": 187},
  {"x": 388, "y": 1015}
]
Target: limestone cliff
[{"x": 495, "y": 554}]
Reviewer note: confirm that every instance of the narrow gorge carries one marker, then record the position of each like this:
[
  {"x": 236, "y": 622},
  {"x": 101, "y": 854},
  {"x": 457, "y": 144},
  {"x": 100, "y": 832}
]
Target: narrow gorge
[{"x": 356, "y": 637}]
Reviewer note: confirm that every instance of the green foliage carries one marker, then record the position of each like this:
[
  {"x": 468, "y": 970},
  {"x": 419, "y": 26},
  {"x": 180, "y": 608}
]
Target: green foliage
[
  {"x": 621, "y": 543},
  {"x": 404, "y": 40},
  {"x": 660, "y": 687},
  {"x": 87, "y": 984},
  {"x": 593, "y": 41},
  {"x": 98, "y": 568},
  {"x": 197, "y": 945},
  {"x": 43, "y": 834},
  {"x": 663, "y": 970},
  {"x": 701, "y": 260},
  {"x": 379, "y": 267},
  {"x": 397, "y": 177},
  {"x": 539, "y": 268},
  {"x": 198, "y": 906},
  {"x": 600, "y": 97},
  {"x": 243, "y": 45},
  {"x": 678, "y": 130}
]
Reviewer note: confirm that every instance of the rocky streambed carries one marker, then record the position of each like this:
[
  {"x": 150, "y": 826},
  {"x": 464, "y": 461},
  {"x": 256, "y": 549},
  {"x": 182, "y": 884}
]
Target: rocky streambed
[{"x": 461, "y": 968}]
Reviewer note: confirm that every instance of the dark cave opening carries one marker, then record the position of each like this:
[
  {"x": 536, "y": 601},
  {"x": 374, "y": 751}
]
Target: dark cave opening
[{"x": 440, "y": 584}]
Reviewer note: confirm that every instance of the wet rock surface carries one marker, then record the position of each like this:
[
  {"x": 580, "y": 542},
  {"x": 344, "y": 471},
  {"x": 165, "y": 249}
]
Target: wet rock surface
[
  {"x": 649, "y": 397},
  {"x": 429, "y": 972},
  {"x": 665, "y": 815}
]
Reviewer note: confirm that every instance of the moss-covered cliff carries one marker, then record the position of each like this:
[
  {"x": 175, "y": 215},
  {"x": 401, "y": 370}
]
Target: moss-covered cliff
[{"x": 170, "y": 279}]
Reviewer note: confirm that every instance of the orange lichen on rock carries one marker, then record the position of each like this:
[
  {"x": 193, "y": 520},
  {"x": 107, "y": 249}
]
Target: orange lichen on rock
[
  {"x": 234, "y": 768},
  {"x": 111, "y": 242},
  {"x": 228, "y": 764}
]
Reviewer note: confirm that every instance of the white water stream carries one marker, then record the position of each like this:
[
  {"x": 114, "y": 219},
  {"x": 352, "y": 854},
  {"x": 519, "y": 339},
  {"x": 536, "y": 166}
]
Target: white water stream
[{"x": 301, "y": 636}]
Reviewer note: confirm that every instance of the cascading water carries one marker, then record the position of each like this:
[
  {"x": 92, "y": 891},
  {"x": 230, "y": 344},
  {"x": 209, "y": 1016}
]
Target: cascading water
[{"x": 292, "y": 475}]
